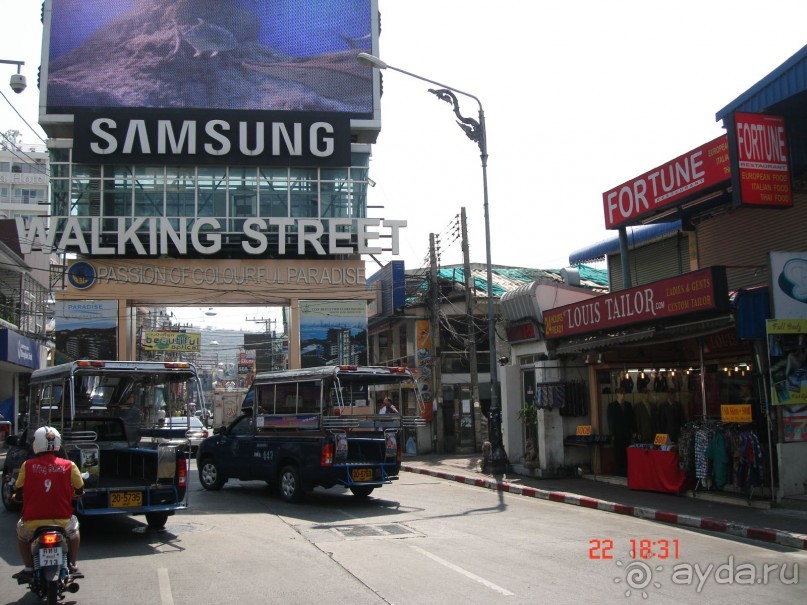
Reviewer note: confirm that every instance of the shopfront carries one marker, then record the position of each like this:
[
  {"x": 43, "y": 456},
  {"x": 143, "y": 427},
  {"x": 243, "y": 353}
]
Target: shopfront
[
  {"x": 668, "y": 374},
  {"x": 19, "y": 356}
]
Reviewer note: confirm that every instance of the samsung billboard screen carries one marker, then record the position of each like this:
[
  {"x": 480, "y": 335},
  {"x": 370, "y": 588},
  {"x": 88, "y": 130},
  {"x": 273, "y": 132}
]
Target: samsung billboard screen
[{"x": 214, "y": 55}]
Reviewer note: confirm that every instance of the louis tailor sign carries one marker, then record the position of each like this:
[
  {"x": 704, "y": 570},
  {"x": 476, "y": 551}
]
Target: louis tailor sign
[
  {"x": 203, "y": 137},
  {"x": 703, "y": 290}
]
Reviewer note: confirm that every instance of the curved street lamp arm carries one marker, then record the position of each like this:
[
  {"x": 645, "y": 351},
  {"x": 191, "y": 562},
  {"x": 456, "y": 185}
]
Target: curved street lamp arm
[{"x": 472, "y": 128}]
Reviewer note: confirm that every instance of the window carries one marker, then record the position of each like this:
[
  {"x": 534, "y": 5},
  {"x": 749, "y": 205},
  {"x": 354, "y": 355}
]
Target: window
[{"x": 266, "y": 398}]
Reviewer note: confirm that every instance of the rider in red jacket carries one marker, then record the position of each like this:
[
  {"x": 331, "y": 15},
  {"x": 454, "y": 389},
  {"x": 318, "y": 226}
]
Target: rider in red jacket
[{"x": 49, "y": 484}]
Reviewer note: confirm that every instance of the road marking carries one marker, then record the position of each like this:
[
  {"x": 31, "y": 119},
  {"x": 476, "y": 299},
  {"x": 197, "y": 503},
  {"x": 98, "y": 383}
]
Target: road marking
[
  {"x": 462, "y": 571},
  {"x": 166, "y": 598}
]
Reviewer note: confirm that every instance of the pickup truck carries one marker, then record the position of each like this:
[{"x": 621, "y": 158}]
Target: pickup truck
[
  {"x": 109, "y": 414},
  {"x": 317, "y": 427}
]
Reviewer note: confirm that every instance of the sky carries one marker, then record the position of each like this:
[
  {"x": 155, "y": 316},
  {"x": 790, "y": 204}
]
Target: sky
[{"x": 579, "y": 97}]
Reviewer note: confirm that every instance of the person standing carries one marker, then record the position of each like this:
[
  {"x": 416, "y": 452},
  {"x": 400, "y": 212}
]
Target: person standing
[{"x": 48, "y": 485}]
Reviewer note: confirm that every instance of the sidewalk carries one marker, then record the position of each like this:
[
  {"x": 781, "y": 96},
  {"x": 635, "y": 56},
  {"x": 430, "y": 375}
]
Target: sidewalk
[{"x": 779, "y": 525}]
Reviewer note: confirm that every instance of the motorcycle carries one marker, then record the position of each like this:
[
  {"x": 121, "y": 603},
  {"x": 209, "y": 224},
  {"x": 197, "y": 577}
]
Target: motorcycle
[{"x": 51, "y": 577}]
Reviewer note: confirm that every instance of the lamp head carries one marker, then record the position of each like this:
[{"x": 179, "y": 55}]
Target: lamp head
[{"x": 369, "y": 60}]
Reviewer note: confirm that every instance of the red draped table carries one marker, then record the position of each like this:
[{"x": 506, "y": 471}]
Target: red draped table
[{"x": 656, "y": 471}]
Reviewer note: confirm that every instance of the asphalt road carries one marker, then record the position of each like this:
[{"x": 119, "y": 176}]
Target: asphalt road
[{"x": 420, "y": 540}]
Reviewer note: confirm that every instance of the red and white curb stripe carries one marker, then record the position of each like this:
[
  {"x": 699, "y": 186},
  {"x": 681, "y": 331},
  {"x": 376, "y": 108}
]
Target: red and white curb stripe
[{"x": 762, "y": 534}]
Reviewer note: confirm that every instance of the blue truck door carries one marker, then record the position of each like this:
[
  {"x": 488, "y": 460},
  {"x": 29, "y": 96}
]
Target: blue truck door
[{"x": 239, "y": 444}]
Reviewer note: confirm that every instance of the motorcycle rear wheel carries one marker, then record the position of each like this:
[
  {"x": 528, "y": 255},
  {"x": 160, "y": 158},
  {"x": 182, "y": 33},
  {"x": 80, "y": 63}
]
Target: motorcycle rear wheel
[{"x": 53, "y": 592}]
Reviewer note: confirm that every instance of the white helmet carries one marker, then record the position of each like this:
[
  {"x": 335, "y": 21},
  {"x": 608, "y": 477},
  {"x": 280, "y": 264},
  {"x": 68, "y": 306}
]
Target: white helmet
[{"x": 47, "y": 439}]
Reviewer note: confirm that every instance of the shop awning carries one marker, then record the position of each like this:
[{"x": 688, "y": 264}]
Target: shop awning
[
  {"x": 637, "y": 236},
  {"x": 657, "y": 334}
]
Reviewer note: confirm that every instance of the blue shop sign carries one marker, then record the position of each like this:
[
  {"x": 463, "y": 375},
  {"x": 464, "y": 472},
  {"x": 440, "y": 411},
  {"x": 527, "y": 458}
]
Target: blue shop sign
[{"x": 18, "y": 350}]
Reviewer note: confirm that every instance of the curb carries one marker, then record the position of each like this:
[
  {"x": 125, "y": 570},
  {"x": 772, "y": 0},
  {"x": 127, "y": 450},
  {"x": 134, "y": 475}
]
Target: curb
[{"x": 775, "y": 536}]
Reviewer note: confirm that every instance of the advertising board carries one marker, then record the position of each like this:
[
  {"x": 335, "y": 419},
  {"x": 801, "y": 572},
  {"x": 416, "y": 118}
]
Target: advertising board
[
  {"x": 209, "y": 55},
  {"x": 703, "y": 290},
  {"x": 171, "y": 341},
  {"x": 763, "y": 160},
  {"x": 669, "y": 184}
]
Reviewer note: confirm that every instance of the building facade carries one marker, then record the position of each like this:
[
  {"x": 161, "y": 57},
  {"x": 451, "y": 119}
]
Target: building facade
[
  {"x": 701, "y": 313},
  {"x": 25, "y": 309}
]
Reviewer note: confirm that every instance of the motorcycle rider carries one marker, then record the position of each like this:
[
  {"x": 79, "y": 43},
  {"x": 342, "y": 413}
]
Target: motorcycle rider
[{"x": 47, "y": 484}]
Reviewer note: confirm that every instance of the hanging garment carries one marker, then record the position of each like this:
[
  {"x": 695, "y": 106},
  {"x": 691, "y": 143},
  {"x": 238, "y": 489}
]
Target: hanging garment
[
  {"x": 717, "y": 454},
  {"x": 703, "y": 467},
  {"x": 644, "y": 423}
]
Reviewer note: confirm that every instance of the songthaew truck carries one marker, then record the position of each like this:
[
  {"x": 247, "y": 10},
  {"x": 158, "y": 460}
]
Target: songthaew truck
[
  {"x": 226, "y": 405},
  {"x": 315, "y": 427},
  {"x": 111, "y": 415}
]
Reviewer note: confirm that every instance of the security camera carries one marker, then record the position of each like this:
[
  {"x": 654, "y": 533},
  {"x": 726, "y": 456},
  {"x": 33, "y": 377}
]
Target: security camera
[{"x": 18, "y": 83}]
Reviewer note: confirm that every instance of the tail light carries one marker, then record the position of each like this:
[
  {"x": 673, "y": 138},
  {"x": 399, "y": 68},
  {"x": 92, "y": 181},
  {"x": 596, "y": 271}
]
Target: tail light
[
  {"x": 326, "y": 456},
  {"x": 205, "y": 434},
  {"x": 182, "y": 471},
  {"x": 50, "y": 539}
]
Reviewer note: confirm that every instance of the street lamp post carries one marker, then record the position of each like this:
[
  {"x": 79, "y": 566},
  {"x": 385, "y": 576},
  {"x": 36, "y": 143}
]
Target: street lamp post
[{"x": 474, "y": 130}]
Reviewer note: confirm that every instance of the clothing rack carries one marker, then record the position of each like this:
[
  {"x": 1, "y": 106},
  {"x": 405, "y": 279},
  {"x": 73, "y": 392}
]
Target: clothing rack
[
  {"x": 569, "y": 396},
  {"x": 705, "y": 443}
]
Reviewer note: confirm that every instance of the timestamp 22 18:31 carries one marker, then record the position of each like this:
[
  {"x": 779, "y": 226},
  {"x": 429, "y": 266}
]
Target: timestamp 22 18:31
[{"x": 662, "y": 549}]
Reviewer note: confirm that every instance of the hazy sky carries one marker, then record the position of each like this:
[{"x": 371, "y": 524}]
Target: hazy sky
[{"x": 578, "y": 97}]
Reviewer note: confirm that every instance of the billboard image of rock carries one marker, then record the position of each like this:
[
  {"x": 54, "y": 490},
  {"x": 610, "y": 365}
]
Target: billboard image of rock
[{"x": 267, "y": 55}]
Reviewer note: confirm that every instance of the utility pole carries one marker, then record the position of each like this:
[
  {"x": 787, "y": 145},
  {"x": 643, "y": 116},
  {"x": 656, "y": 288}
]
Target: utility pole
[
  {"x": 268, "y": 322},
  {"x": 434, "y": 292},
  {"x": 469, "y": 313}
]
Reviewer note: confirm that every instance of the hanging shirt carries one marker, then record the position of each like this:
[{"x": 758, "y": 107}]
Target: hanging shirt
[{"x": 716, "y": 452}]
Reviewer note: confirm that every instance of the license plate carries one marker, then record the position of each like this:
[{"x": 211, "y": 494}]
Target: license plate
[
  {"x": 124, "y": 499},
  {"x": 362, "y": 474},
  {"x": 50, "y": 557}
]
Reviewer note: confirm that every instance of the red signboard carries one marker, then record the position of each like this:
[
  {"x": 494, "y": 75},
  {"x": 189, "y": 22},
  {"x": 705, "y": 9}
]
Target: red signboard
[
  {"x": 662, "y": 187},
  {"x": 522, "y": 331},
  {"x": 762, "y": 155},
  {"x": 703, "y": 290}
]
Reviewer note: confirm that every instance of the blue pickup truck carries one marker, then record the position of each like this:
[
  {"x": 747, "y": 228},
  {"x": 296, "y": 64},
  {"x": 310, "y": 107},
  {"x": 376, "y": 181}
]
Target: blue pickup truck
[{"x": 316, "y": 427}]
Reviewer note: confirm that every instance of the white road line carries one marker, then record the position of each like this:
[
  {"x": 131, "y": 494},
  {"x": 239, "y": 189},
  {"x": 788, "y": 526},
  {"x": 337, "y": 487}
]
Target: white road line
[
  {"x": 462, "y": 571},
  {"x": 166, "y": 598}
]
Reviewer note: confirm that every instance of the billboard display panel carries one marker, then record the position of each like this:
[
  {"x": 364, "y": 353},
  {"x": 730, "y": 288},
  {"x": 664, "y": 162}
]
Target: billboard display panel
[
  {"x": 787, "y": 360},
  {"x": 789, "y": 284},
  {"x": 262, "y": 55},
  {"x": 87, "y": 329},
  {"x": 333, "y": 332}
]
